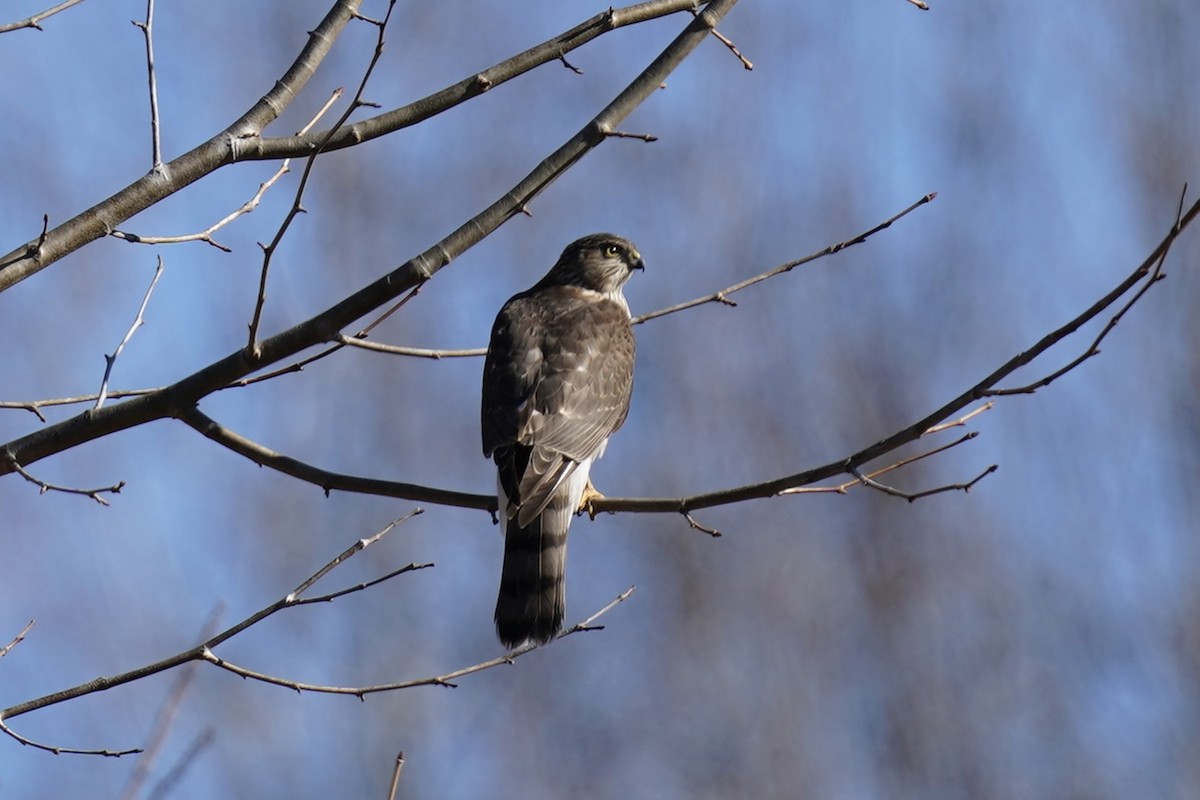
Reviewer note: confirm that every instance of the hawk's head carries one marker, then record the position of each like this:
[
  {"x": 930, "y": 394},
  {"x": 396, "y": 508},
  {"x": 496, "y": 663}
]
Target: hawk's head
[{"x": 601, "y": 262}]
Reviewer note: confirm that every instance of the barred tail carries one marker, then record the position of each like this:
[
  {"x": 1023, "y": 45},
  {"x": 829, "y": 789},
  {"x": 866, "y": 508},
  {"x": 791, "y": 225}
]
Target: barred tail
[{"x": 533, "y": 588}]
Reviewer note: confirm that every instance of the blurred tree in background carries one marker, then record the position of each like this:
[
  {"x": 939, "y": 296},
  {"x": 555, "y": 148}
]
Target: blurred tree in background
[{"x": 1037, "y": 637}]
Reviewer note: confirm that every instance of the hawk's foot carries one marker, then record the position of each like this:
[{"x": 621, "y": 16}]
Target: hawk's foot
[{"x": 589, "y": 496}]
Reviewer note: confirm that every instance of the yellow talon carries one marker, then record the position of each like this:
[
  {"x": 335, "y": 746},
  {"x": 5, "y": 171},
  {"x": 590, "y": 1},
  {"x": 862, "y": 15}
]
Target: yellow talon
[{"x": 585, "y": 501}]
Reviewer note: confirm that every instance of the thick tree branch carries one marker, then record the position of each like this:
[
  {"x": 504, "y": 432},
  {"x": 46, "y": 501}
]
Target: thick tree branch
[
  {"x": 104, "y": 217},
  {"x": 242, "y": 140},
  {"x": 174, "y": 400},
  {"x": 329, "y": 481},
  {"x": 406, "y": 116}
]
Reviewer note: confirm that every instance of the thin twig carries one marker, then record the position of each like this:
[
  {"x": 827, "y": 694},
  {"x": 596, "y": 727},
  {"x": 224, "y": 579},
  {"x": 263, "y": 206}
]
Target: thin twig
[
  {"x": 35, "y": 20},
  {"x": 35, "y": 406},
  {"x": 725, "y": 40},
  {"x": 20, "y": 637},
  {"x": 109, "y": 361},
  {"x": 250, "y": 205},
  {"x": 723, "y": 295},
  {"x": 569, "y": 65},
  {"x": 963, "y": 420},
  {"x": 447, "y": 680},
  {"x": 845, "y": 486},
  {"x": 43, "y": 486},
  {"x": 147, "y": 28},
  {"x": 297, "y": 206},
  {"x": 645, "y": 137},
  {"x": 417, "y": 270},
  {"x": 201, "y": 652},
  {"x": 716, "y": 297},
  {"x": 396, "y": 776},
  {"x": 241, "y": 140},
  {"x": 1094, "y": 349},
  {"x": 921, "y": 4},
  {"x": 419, "y": 352},
  {"x": 58, "y": 751},
  {"x": 696, "y": 526},
  {"x": 913, "y": 496}
]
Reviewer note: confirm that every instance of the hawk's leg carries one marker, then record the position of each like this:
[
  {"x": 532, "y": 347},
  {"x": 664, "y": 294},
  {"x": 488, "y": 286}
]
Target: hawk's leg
[{"x": 585, "y": 501}]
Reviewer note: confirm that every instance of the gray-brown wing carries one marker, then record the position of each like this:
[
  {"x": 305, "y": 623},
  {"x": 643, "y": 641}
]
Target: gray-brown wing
[
  {"x": 586, "y": 381},
  {"x": 557, "y": 383}
]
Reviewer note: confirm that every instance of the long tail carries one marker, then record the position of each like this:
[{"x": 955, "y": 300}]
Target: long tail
[{"x": 533, "y": 587}]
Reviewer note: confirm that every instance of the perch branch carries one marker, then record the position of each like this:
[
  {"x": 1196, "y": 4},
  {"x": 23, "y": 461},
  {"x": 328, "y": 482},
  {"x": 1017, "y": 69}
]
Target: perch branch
[{"x": 1149, "y": 271}]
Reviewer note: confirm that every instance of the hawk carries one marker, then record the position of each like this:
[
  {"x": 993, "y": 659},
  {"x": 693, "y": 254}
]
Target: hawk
[{"x": 556, "y": 385}]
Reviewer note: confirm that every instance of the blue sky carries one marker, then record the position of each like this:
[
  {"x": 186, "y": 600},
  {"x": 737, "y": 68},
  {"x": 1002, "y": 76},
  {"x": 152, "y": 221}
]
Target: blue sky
[{"x": 1033, "y": 638}]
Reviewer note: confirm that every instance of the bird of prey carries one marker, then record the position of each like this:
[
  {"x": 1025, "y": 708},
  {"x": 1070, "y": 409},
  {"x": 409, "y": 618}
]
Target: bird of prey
[{"x": 556, "y": 385}]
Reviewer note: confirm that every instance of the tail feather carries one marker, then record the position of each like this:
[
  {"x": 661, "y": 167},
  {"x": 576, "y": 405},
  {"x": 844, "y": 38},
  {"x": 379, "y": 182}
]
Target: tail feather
[{"x": 533, "y": 589}]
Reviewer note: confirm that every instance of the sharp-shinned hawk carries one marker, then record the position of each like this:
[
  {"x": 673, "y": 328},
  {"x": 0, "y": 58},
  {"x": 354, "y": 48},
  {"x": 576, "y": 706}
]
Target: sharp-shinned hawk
[{"x": 556, "y": 384}]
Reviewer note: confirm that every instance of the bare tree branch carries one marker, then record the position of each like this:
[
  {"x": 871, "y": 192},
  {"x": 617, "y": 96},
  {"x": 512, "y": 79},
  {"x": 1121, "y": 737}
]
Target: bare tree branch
[
  {"x": 201, "y": 652},
  {"x": 206, "y": 235},
  {"x": 35, "y": 20},
  {"x": 43, "y": 486},
  {"x": 1149, "y": 272},
  {"x": 912, "y": 496},
  {"x": 58, "y": 751},
  {"x": 204, "y": 652},
  {"x": 297, "y": 206},
  {"x": 328, "y": 481},
  {"x": 446, "y": 680},
  {"x": 102, "y": 218},
  {"x": 474, "y": 85},
  {"x": 175, "y": 399},
  {"x": 138, "y": 321},
  {"x": 725, "y": 40},
  {"x": 147, "y": 29},
  {"x": 418, "y": 352},
  {"x": 35, "y": 406},
  {"x": 16, "y": 640},
  {"x": 242, "y": 140},
  {"x": 396, "y": 776},
  {"x": 722, "y": 296}
]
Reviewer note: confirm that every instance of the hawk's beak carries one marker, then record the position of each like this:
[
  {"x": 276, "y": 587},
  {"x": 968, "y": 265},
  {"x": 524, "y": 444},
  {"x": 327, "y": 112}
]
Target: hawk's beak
[{"x": 638, "y": 263}]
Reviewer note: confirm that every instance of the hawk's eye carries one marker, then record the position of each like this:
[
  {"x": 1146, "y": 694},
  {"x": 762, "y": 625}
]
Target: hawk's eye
[{"x": 611, "y": 250}]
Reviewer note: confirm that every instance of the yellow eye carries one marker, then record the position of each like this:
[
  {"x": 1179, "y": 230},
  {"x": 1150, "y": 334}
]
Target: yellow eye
[{"x": 612, "y": 251}]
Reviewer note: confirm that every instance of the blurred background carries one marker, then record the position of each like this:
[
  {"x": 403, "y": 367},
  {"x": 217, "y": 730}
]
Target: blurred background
[{"x": 1035, "y": 638}]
